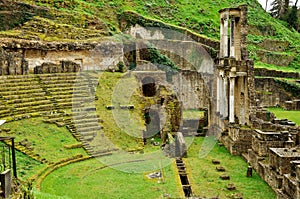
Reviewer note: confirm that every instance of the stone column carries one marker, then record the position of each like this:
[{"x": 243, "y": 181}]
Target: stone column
[
  {"x": 232, "y": 27},
  {"x": 242, "y": 100},
  {"x": 225, "y": 86},
  {"x": 221, "y": 96},
  {"x": 231, "y": 99},
  {"x": 218, "y": 94},
  {"x": 225, "y": 41},
  {"x": 222, "y": 37}
]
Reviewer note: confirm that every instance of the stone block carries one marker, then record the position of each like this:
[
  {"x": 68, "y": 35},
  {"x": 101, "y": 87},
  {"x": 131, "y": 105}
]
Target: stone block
[{"x": 6, "y": 183}]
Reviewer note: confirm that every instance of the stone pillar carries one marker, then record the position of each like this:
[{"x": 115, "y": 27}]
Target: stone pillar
[
  {"x": 232, "y": 37},
  {"x": 218, "y": 94},
  {"x": 225, "y": 41},
  {"x": 222, "y": 37},
  {"x": 225, "y": 86},
  {"x": 221, "y": 96},
  {"x": 231, "y": 99},
  {"x": 242, "y": 104}
]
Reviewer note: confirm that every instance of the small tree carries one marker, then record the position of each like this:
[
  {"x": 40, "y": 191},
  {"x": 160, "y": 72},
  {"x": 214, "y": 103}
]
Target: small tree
[
  {"x": 292, "y": 17},
  {"x": 279, "y": 8}
]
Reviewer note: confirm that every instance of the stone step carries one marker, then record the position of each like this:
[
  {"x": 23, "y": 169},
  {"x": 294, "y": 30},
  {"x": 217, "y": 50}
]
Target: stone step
[
  {"x": 20, "y": 92},
  {"x": 88, "y": 129},
  {"x": 82, "y": 116},
  {"x": 24, "y": 100},
  {"x": 22, "y": 96},
  {"x": 18, "y": 87},
  {"x": 82, "y": 124},
  {"x": 87, "y": 120},
  {"x": 34, "y": 103}
]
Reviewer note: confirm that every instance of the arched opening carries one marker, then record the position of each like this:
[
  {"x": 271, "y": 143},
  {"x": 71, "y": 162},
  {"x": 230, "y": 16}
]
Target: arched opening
[{"x": 149, "y": 89}]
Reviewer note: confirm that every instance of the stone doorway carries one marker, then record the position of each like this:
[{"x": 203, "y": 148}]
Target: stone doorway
[
  {"x": 152, "y": 121},
  {"x": 149, "y": 87}
]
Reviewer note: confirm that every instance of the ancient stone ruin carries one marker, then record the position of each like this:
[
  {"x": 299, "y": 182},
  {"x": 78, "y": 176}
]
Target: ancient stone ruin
[{"x": 221, "y": 83}]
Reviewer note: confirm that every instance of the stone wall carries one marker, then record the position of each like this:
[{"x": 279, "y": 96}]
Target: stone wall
[
  {"x": 12, "y": 62},
  {"x": 237, "y": 139},
  {"x": 270, "y": 93},
  {"x": 23, "y": 57},
  {"x": 62, "y": 67},
  {"x": 191, "y": 89},
  {"x": 292, "y": 105}
]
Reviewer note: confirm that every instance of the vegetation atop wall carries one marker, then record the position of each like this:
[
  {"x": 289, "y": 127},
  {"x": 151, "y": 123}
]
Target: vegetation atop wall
[{"x": 69, "y": 20}]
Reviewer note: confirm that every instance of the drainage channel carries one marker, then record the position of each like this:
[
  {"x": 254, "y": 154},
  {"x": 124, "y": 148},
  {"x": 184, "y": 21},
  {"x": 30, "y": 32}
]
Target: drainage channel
[{"x": 186, "y": 187}]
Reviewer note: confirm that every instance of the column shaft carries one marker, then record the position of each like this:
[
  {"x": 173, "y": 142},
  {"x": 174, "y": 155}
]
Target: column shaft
[
  {"x": 225, "y": 85},
  {"x": 232, "y": 26},
  {"x": 225, "y": 31},
  {"x": 231, "y": 100}
]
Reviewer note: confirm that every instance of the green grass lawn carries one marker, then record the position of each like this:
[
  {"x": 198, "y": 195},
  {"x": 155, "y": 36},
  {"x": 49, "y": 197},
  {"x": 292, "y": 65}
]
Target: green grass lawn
[
  {"x": 206, "y": 182},
  {"x": 91, "y": 179},
  {"x": 47, "y": 140},
  {"x": 26, "y": 166},
  {"x": 284, "y": 114},
  {"x": 192, "y": 114}
]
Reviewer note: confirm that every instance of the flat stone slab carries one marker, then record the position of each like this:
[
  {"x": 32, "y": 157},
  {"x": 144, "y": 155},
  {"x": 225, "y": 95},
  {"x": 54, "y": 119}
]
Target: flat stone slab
[
  {"x": 215, "y": 161},
  {"x": 231, "y": 187},
  {"x": 225, "y": 177}
]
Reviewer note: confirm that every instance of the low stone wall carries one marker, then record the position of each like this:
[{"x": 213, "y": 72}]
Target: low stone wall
[{"x": 237, "y": 140}]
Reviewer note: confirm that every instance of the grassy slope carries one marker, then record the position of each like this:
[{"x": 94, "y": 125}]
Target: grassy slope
[
  {"x": 93, "y": 19},
  {"x": 47, "y": 140},
  {"x": 89, "y": 180},
  {"x": 123, "y": 127},
  {"x": 206, "y": 180},
  {"x": 26, "y": 166}
]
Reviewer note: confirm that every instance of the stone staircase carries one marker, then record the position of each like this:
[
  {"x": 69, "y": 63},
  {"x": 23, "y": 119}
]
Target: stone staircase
[{"x": 85, "y": 125}]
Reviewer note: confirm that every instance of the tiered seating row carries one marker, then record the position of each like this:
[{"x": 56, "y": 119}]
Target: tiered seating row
[
  {"x": 23, "y": 95},
  {"x": 26, "y": 94},
  {"x": 63, "y": 87}
]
